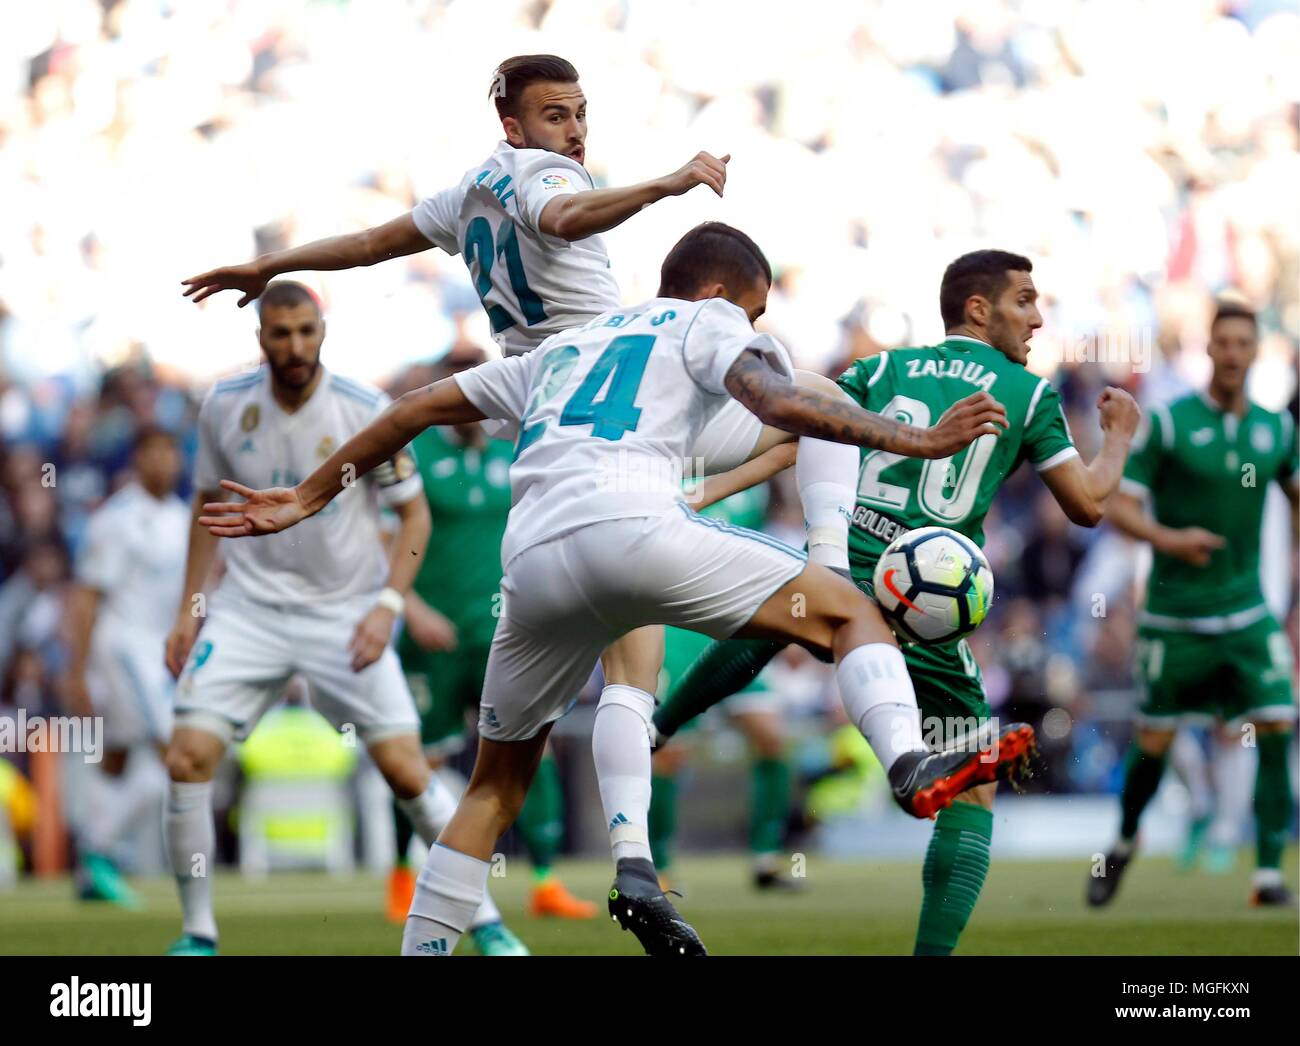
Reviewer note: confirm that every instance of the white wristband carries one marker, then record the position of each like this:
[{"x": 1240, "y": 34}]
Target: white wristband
[{"x": 391, "y": 599}]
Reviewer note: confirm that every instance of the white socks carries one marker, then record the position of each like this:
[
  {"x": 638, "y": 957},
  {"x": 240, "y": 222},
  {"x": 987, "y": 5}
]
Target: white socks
[
  {"x": 448, "y": 893},
  {"x": 620, "y": 744},
  {"x": 191, "y": 839},
  {"x": 880, "y": 701},
  {"x": 429, "y": 813},
  {"x": 827, "y": 476}
]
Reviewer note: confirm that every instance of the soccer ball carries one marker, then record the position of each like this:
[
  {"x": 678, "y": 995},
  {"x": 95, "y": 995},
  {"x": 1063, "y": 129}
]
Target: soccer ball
[{"x": 933, "y": 585}]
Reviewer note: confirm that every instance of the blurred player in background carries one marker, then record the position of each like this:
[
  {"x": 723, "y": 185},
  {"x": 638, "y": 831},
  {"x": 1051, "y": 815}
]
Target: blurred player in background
[
  {"x": 128, "y": 582},
  {"x": 1207, "y": 643},
  {"x": 753, "y": 712},
  {"x": 527, "y": 222},
  {"x": 451, "y": 613},
  {"x": 585, "y": 564},
  {"x": 321, "y": 602},
  {"x": 989, "y": 306}
]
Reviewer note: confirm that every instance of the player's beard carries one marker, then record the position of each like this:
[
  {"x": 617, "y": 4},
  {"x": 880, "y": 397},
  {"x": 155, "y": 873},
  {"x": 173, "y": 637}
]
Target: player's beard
[{"x": 281, "y": 375}]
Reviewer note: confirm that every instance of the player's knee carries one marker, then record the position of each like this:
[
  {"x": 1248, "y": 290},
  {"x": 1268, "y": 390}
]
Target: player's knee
[
  {"x": 766, "y": 738},
  {"x": 187, "y": 763},
  {"x": 408, "y": 778},
  {"x": 1154, "y": 742}
]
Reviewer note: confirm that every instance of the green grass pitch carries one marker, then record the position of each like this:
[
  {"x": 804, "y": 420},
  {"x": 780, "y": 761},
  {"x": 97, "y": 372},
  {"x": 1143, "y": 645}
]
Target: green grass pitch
[{"x": 848, "y": 909}]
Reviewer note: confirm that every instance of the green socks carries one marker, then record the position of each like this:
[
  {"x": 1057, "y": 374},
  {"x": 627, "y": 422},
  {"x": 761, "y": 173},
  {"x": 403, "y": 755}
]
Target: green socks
[
  {"x": 1142, "y": 775},
  {"x": 405, "y": 832},
  {"x": 1272, "y": 800},
  {"x": 725, "y": 667},
  {"x": 955, "y": 866},
  {"x": 662, "y": 825},
  {"x": 541, "y": 821},
  {"x": 770, "y": 803}
]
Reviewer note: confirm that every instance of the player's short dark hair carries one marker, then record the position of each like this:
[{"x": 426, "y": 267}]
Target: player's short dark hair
[
  {"x": 513, "y": 76},
  {"x": 287, "y": 294},
  {"x": 979, "y": 272},
  {"x": 1233, "y": 310},
  {"x": 712, "y": 253},
  {"x": 148, "y": 433}
]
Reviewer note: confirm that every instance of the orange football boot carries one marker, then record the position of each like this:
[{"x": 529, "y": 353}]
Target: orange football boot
[
  {"x": 401, "y": 891},
  {"x": 550, "y": 898}
]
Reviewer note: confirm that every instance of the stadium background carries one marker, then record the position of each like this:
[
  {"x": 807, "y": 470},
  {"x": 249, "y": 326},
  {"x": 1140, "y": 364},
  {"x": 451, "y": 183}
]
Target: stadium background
[{"x": 1143, "y": 154}]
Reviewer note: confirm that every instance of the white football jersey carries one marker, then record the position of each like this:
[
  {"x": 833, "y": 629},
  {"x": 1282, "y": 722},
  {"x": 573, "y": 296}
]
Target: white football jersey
[
  {"x": 135, "y": 556},
  {"x": 245, "y": 435},
  {"x": 607, "y": 413},
  {"x": 532, "y": 285}
]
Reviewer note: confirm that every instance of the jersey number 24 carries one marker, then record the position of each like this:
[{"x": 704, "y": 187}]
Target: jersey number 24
[{"x": 609, "y": 418}]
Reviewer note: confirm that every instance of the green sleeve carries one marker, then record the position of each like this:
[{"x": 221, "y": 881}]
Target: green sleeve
[
  {"x": 861, "y": 375},
  {"x": 1290, "y": 471},
  {"x": 1047, "y": 436},
  {"x": 1144, "y": 456}
]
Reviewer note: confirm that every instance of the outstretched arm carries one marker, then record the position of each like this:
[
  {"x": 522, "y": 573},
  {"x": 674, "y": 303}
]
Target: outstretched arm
[
  {"x": 583, "y": 214},
  {"x": 269, "y": 511},
  {"x": 778, "y": 402},
  {"x": 1083, "y": 491},
  {"x": 393, "y": 239}
]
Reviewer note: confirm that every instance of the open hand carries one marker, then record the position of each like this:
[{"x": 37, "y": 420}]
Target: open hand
[
  {"x": 261, "y": 512},
  {"x": 964, "y": 422},
  {"x": 247, "y": 278}
]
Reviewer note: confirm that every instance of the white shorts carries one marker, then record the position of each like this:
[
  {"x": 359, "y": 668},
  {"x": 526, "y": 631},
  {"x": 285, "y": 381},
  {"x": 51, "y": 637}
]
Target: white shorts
[
  {"x": 129, "y": 686},
  {"x": 566, "y": 600},
  {"x": 246, "y": 653}
]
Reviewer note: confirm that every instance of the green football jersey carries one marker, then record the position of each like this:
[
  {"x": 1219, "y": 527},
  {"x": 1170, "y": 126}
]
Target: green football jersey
[
  {"x": 1204, "y": 467},
  {"x": 468, "y": 490},
  {"x": 916, "y": 385}
]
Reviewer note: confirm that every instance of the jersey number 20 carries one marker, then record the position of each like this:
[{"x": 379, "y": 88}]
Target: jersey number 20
[{"x": 941, "y": 495}]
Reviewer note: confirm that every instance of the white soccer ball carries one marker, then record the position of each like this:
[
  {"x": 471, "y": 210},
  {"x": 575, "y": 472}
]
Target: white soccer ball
[{"x": 933, "y": 585}]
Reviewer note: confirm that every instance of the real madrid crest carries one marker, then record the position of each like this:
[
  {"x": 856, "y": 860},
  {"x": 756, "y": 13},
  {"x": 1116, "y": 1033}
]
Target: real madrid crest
[
  {"x": 325, "y": 447},
  {"x": 251, "y": 416}
]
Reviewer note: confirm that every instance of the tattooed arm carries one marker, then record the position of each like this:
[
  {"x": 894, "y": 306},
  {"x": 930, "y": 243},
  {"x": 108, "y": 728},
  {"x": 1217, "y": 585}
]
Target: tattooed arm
[{"x": 777, "y": 401}]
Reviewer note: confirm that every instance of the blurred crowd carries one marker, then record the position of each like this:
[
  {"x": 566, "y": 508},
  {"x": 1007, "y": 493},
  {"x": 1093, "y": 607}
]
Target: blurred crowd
[{"x": 1143, "y": 154}]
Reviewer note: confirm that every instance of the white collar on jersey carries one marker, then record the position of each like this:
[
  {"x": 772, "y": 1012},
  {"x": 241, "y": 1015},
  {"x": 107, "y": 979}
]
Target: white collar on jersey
[{"x": 965, "y": 337}]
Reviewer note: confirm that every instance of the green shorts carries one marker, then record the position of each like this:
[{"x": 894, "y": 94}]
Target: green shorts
[
  {"x": 1245, "y": 674},
  {"x": 446, "y": 686},
  {"x": 949, "y": 687}
]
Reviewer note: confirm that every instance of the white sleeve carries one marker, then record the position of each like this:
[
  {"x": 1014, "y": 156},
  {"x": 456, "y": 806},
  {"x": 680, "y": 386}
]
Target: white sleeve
[
  {"x": 717, "y": 336},
  {"x": 397, "y": 479},
  {"x": 542, "y": 180},
  {"x": 102, "y": 562},
  {"x": 499, "y": 388},
  {"x": 209, "y": 463},
  {"x": 436, "y": 216}
]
